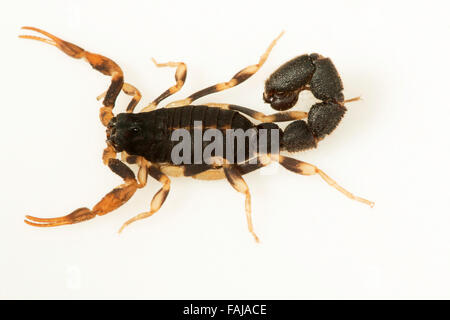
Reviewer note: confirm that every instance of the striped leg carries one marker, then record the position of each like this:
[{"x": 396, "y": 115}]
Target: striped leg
[
  {"x": 275, "y": 117},
  {"x": 142, "y": 164},
  {"x": 233, "y": 173},
  {"x": 98, "y": 62},
  {"x": 180, "y": 78},
  {"x": 158, "y": 198},
  {"x": 234, "y": 177},
  {"x": 307, "y": 169},
  {"x": 238, "y": 78}
]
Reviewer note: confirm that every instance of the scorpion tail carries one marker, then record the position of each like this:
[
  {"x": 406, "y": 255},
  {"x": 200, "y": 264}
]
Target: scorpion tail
[{"x": 323, "y": 118}]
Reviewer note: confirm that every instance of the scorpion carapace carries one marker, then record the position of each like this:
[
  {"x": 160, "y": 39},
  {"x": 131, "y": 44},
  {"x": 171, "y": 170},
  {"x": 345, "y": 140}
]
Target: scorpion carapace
[{"x": 146, "y": 138}]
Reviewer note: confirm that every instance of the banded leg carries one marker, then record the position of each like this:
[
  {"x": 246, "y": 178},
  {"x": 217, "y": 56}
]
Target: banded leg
[
  {"x": 234, "y": 177},
  {"x": 238, "y": 78},
  {"x": 143, "y": 167},
  {"x": 113, "y": 200},
  {"x": 307, "y": 169},
  {"x": 180, "y": 78},
  {"x": 232, "y": 173},
  {"x": 275, "y": 117},
  {"x": 131, "y": 91},
  {"x": 158, "y": 198},
  {"x": 98, "y": 62}
]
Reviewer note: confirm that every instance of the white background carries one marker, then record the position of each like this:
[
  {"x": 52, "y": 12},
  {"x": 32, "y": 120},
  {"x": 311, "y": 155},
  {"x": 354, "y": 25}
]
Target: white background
[{"x": 392, "y": 147}]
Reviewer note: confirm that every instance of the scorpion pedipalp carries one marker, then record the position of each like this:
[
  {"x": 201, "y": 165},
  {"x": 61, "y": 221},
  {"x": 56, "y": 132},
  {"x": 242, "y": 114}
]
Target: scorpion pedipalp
[{"x": 98, "y": 62}]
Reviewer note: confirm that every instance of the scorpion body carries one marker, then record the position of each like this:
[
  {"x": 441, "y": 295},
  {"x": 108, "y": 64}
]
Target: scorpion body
[
  {"x": 149, "y": 134},
  {"x": 145, "y": 139}
]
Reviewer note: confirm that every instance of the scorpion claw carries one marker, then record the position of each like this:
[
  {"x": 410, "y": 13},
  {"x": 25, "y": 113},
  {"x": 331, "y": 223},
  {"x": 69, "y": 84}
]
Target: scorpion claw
[
  {"x": 53, "y": 40},
  {"x": 53, "y": 43},
  {"x": 34, "y": 224},
  {"x": 76, "y": 216},
  {"x": 67, "y": 47}
]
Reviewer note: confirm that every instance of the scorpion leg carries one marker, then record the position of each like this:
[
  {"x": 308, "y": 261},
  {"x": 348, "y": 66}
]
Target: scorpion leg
[
  {"x": 98, "y": 62},
  {"x": 238, "y": 78},
  {"x": 143, "y": 171},
  {"x": 131, "y": 91},
  {"x": 180, "y": 78},
  {"x": 143, "y": 167},
  {"x": 276, "y": 117},
  {"x": 158, "y": 198},
  {"x": 114, "y": 199},
  {"x": 308, "y": 169},
  {"x": 234, "y": 177},
  {"x": 233, "y": 173}
]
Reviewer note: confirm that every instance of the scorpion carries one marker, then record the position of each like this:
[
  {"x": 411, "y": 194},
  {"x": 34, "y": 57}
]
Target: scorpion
[{"x": 144, "y": 138}]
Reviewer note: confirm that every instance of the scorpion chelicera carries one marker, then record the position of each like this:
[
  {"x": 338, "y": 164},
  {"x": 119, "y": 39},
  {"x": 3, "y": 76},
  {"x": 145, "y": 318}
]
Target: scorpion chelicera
[{"x": 144, "y": 138}]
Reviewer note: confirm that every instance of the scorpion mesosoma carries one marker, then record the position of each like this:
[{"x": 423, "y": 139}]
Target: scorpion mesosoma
[{"x": 144, "y": 138}]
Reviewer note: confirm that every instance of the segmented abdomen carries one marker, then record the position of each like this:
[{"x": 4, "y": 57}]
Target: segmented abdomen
[
  {"x": 210, "y": 117},
  {"x": 188, "y": 116}
]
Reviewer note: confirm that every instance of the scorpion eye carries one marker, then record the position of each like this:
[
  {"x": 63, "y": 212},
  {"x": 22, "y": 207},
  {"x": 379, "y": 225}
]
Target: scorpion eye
[
  {"x": 281, "y": 94},
  {"x": 135, "y": 130}
]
